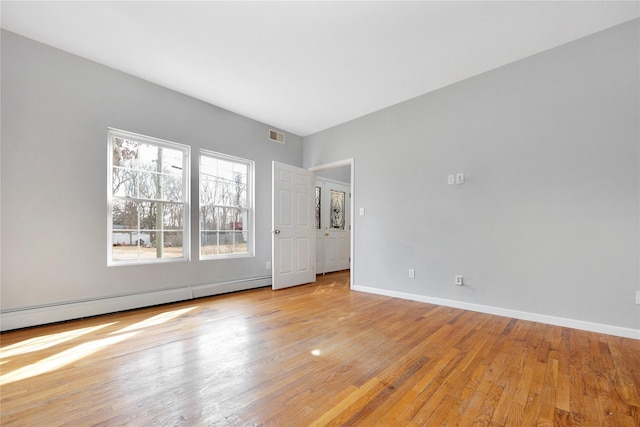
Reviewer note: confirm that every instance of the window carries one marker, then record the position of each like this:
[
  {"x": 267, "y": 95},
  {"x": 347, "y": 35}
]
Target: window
[
  {"x": 226, "y": 206},
  {"x": 148, "y": 199}
]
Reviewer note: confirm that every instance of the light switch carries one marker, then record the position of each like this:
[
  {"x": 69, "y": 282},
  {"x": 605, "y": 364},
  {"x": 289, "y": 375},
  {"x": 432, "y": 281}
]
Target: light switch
[
  {"x": 361, "y": 211},
  {"x": 460, "y": 178}
]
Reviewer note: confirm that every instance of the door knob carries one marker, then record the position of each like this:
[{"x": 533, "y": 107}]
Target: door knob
[{"x": 276, "y": 231}]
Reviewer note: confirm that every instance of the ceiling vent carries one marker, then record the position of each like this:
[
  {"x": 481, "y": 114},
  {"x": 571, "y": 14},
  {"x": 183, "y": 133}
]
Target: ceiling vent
[{"x": 276, "y": 136}]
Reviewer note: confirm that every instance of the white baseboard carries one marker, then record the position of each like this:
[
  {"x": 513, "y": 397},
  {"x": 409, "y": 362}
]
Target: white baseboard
[
  {"x": 226, "y": 287},
  {"x": 40, "y": 315},
  {"x": 516, "y": 314},
  {"x": 33, "y": 316}
]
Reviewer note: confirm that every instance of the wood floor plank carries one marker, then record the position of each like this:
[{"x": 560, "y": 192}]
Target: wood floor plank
[{"x": 318, "y": 354}]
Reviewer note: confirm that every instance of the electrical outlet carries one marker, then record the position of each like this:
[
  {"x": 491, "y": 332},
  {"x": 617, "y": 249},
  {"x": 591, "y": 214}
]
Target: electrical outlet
[
  {"x": 268, "y": 265},
  {"x": 412, "y": 273},
  {"x": 459, "y": 281},
  {"x": 451, "y": 179}
]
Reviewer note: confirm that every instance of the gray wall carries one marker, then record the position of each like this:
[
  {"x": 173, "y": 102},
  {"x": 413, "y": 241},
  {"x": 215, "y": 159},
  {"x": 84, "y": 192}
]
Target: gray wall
[
  {"x": 56, "y": 108},
  {"x": 548, "y": 219},
  {"x": 341, "y": 173}
]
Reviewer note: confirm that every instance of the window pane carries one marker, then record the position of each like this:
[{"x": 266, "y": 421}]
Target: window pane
[
  {"x": 208, "y": 166},
  {"x": 173, "y": 216},
  {"x": 125, "y": 153},
  {"x": 225, "y": 242},
  {"x": 124, "y": 182},
  {"x": 241, "y": 220},
  {"x": 207, "y": 185},
  {"x": 225, "y": 170},
  {"x": 172, "y": 188},
  {"x": 148, "y": 157},
  {"x": 125, "y": 236},
  {"x": 208, "y": 219},
  {"x": 172, "y": 161},
  {"x": 239, "y": 243},
  {"x": 240, "y": 196},
  {"x": 148, "y": 185},
  {"x": 208, "y": 243},
  {"x": 227, "y": 218},
  {"x": 221, "y": 193},
  {"x": 147, "y": 216},
  {"x": 149, "y": 250},
  {"x": 124, "y": 215},
  {"x": 172, "y": 244}
]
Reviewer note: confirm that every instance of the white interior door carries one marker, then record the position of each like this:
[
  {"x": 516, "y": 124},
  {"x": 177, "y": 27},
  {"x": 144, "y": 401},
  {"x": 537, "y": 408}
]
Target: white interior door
[
  {"x": 333, "y": 237},
  {"x": 293, "y": 237}
]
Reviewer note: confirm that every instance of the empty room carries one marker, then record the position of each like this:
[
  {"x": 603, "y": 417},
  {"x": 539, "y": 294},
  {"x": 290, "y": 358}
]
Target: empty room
[{"x": 310, "y": 213}]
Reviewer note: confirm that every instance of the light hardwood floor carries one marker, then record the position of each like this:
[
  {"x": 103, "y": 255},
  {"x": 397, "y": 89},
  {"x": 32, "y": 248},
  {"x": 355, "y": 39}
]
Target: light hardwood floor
[{"x": 315, "y": 355}]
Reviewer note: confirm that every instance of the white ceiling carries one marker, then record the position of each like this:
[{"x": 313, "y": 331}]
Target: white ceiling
[{"x": 306, "y": 66}]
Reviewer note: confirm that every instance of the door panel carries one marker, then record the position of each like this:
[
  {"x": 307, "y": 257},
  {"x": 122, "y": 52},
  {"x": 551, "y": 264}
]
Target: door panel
[
  {"x": 285, "y": 256},
  {"x": 293, "y": 238},
  {"x": 303, "y": 254}
]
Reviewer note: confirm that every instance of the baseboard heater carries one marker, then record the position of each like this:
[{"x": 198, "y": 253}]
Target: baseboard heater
[{"x": 50, "y": 313}]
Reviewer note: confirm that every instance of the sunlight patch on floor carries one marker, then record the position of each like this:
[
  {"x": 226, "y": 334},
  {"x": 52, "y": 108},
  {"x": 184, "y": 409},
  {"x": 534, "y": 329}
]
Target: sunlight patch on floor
[
  {"x": 62, "y": 359},
  {"x": 156, "y": 320},
  {"x": 71, "y": 355},
  {"x": 46, "y": 341}
]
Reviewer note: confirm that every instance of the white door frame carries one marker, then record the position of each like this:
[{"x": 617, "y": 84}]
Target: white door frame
[{"x": 337, "y": 164}]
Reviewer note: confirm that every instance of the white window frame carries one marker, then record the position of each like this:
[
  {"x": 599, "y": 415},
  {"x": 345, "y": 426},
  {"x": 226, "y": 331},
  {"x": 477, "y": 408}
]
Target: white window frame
[
  {"x": 186, "y": 179},
  {"x": 250, "y": 208}
]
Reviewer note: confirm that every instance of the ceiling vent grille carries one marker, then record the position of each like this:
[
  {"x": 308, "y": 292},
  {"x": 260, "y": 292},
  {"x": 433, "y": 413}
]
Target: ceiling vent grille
[{"x": 276, "y": 136}]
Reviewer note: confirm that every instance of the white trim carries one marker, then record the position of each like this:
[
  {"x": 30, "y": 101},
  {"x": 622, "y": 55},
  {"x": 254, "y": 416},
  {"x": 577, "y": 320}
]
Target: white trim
[
  {"x": 346, "y": 162},
  {"x": 516, "y": 314},
  {"x": 233, "y": 286},
  {"x": 41, "y": 315}
]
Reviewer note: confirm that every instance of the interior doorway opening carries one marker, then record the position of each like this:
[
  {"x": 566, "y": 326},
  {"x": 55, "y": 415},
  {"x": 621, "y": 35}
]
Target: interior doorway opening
[{"x": 335, "y": 220}]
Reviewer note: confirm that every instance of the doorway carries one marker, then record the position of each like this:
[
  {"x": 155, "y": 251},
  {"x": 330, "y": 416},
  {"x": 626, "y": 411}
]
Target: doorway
[
  {"x": 332, "y": 224},
  {"x": 335, "y": 217}
]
